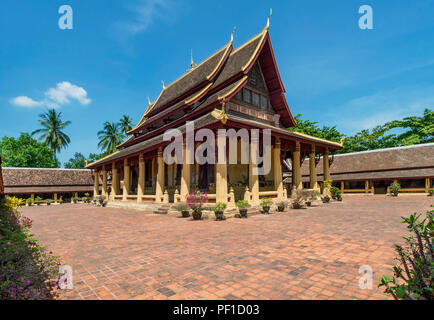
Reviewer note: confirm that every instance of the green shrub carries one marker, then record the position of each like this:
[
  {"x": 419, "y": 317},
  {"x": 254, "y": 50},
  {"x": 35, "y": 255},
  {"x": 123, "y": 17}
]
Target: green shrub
[
  {"x": 265, "y": 202},
  {"x": 335, "y": 192},
  {"x": 325, "y": 199},
  {"x": 75, "y": 199},
  {"x": 431, "y": 192},
  {"x": 394, "y": 188},
  {"x": 38, "y": 200},
  {"x": 48, "y": 201},
  {"x": 242, "y": 204},
  {"x": 327, "y": 183},
  {"x": 29, "y": 201},
  {"x": 219, "y": 207},
  {"x": 27, "y": 270},
  {"x": 413, "y": 279}
]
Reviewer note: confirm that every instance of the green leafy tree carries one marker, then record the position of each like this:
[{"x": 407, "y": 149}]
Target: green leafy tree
[
  {"x": 110, "y": 137},
  {"x": 312, "y": 128},
  {"x": 78, "y": 161},
  {"x": 367, "y": 139},
  {"x": 94, "y": 157},
  {"x": 420, "y": 129},
  {"x": 52, "y": 130},
  {"x": 26, "y": 152},
  {"x": 125, "y": 124}
]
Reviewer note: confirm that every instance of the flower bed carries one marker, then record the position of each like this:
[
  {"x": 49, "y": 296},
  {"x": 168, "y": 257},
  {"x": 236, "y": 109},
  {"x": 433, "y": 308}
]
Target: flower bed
[{"x": 27, "y": 270}]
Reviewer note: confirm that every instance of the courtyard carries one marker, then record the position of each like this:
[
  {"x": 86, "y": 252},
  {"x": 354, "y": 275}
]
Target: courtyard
[{"x": 312, "y": 253}]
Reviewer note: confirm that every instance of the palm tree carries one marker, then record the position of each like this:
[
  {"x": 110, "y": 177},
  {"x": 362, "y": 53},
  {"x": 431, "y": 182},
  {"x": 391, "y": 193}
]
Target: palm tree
[
  {"x": 110, "y": 137},
  {"x": 126, "y": 124},
  {"x": 51, "y": 133}
]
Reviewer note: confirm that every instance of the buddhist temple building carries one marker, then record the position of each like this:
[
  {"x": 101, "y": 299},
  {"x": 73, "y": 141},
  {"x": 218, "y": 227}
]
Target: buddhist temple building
[
  {"x": 234, "y": 88},
  {"x": 372, "y": 172}
]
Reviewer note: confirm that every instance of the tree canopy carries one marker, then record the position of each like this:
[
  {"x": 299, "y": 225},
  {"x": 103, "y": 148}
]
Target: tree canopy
[
  {"x": 78, "y": 161},
  {"x": 414, "y": 129},
  {"x": 52, "y": 130},
  {"x": 25, "y": 151}
]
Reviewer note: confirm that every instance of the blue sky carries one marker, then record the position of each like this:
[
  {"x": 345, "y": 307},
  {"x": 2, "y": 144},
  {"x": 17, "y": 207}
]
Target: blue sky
[{"x": 119, "y": 51}]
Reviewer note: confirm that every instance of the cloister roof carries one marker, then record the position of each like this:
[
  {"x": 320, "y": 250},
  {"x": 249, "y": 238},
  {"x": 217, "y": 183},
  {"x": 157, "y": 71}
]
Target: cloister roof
[
  {"x": 14, "y": 177},
  {"x": 400, "y": 162}
]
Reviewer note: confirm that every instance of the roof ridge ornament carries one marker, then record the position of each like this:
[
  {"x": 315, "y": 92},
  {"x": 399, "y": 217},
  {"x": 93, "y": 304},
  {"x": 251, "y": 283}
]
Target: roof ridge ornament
[
  {"x": 149, "y": 101},
  {"x": 164, "y": 87},
  {"x": 232, "y": 34},
  {"x": 268, "y": 20}
]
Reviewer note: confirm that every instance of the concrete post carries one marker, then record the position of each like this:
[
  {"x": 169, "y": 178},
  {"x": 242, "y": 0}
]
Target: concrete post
[
  {"x": 160, "y": 175},
  {"x": 185, "y": 177},
  {"x": 126, "y": 187},
  {"x": 277, "y": 169},
  {"x": 296, "y": 168},
  {"x": 96, "y": 185},
  {"x": 141, "y": 182},
  {"x": 253, "y": 178},
  {"x": 312, "y": 169}
]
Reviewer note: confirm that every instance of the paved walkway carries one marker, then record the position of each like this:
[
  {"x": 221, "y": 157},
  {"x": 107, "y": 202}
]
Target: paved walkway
[{"x": 301, "y": 254}]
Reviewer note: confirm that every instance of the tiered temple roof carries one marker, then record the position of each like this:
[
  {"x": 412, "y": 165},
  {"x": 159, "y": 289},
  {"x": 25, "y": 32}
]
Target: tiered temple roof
[{"x": 204, "y": 88}]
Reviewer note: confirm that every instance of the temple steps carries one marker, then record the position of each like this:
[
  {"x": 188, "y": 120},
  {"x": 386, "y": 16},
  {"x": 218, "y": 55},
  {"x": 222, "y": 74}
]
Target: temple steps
[{"x": 163, "y": 209}]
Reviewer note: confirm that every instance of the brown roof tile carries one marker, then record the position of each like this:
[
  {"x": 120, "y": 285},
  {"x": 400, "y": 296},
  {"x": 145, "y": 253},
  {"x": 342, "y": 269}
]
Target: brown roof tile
[{"x": 46, "y": 177}]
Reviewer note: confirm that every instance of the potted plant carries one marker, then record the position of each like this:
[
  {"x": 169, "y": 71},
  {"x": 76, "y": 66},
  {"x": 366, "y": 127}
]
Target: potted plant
[
  {"x": 266, "y": 204},
  {"x": 48, "y": 202},
  {"x": 101, "y": 201},
  {"x": 183, "y": 208},
  {"x": 195, "y": 201},
  {"x": 219, "y": 209},
  {"x": 61, "y": 201},
  {"x": 242, "y": 207},
  {"x": 313, "y": 195},
  {"x": 394, "y": 188},
  {"x": 281, "y": 205},
  {"x": 431, "y": 192},
  {"x": 38, "y": 200},
  {"x": 75, "y": 199},
  {"x": 84, "y": 199},
  {"x": 29, "y": 202},
  {"x": 325, "y": 199}
]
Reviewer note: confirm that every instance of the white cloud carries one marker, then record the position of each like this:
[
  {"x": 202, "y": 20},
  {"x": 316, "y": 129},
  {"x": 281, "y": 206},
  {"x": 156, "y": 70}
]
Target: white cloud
[
  {"x": 24, "y": 101},
  {"x": 62, "y": 94},
  {"x": 65, "y": 91}
]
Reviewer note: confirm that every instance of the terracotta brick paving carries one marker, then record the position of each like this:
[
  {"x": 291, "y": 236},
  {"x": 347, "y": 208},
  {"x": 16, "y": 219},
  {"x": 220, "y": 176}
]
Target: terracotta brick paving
[{"x": 300, "y": 254}]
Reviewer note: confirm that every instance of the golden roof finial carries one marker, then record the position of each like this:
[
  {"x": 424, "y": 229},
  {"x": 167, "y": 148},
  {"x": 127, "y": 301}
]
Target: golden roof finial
[
  {"x": 149, "y": 101},
  {"x": 268, "y": 19},
  {"x": 232, "y": 34},
  {"x": 191, "y": 59},
  {"x": 341, "y": 142},
  {"x": 162, "y": 81}
]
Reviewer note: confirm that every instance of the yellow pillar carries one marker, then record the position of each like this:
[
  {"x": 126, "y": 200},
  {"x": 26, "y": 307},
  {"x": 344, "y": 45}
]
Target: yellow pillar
[
  {"x": 104, "y": 182},
  {"x": 115, "y": 182},
  {"x": 296, "y": 168},
  {"x": 366, "y": 186},
  {"x": 326, "y": 168},
  {"x": 427, "y": 184},
  {"x": 253, "y": 178},
  {"x": 342, "y": 186},
  {"x": 312, "y": 169},
  {"x": 277, "y": 169},
  {"x": 96, "y": 184},
  {"x": 126, "y": 188},
  {"x": 221, "y": 174},
  {"x": 185, "y": 177},
  {"x": 141, "y": 182},
  {"x": 153, "y": 172},
  {"x": 160, "y": 175},
  {"x": 55, "y": 197}
]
